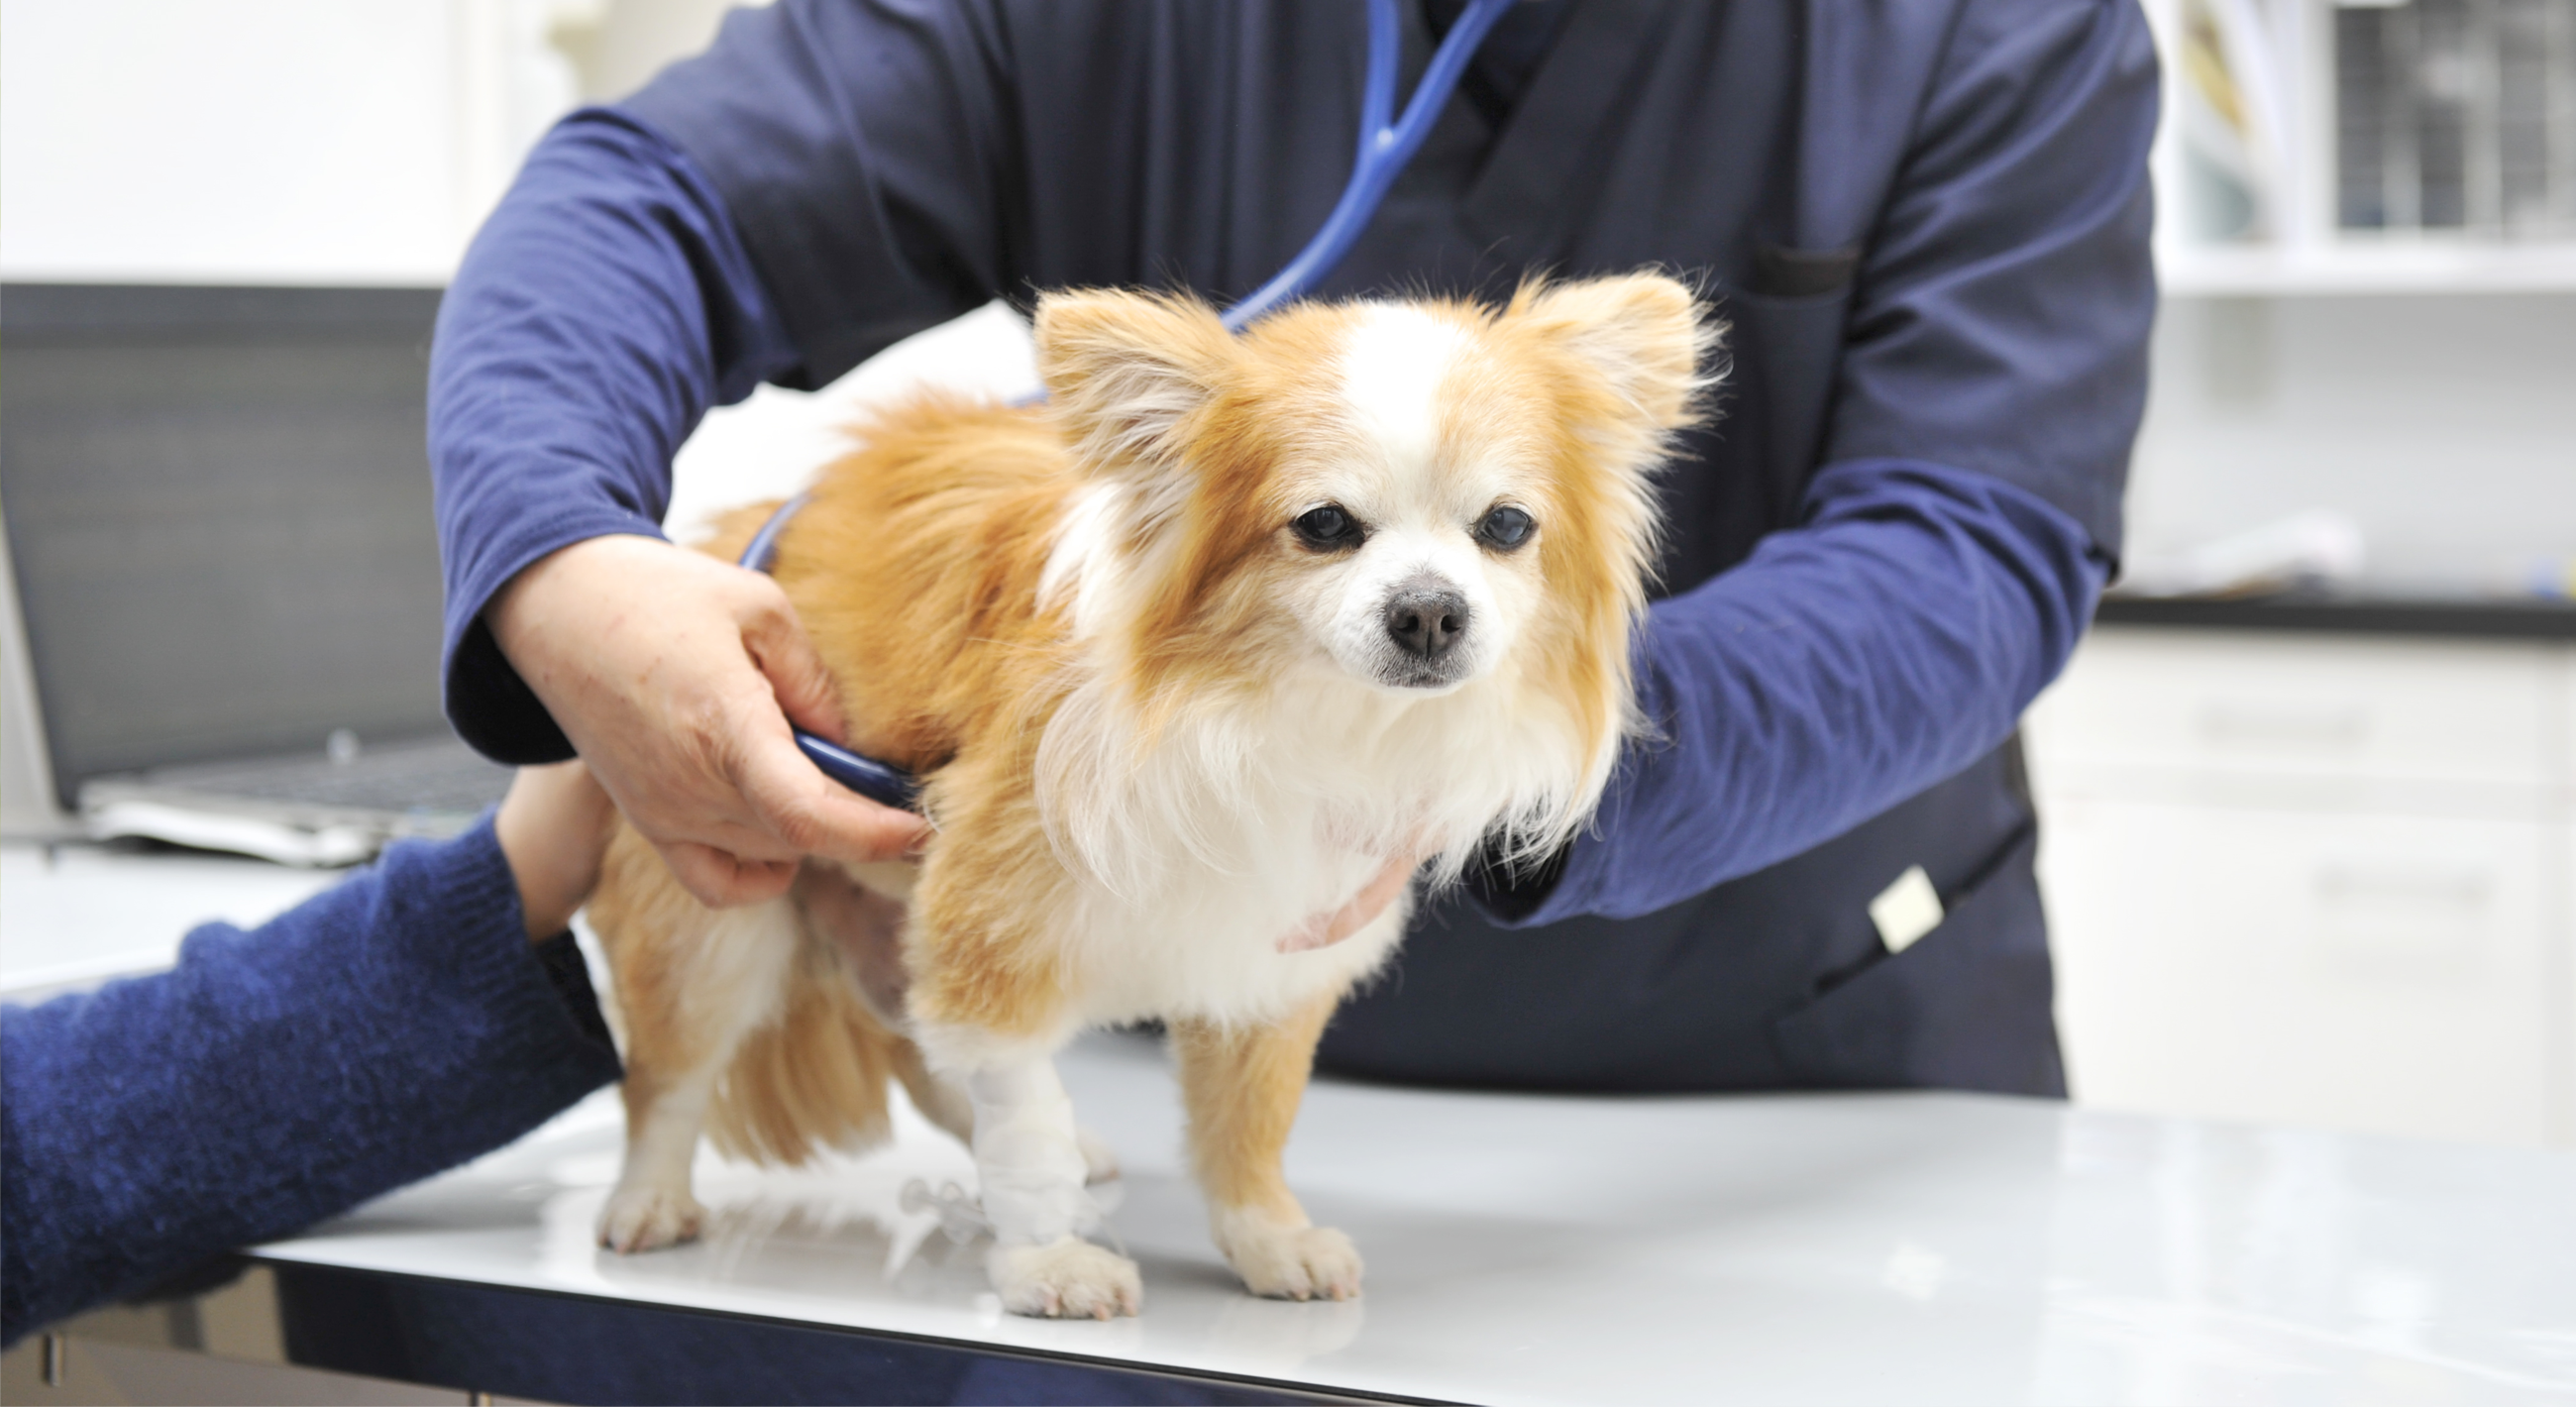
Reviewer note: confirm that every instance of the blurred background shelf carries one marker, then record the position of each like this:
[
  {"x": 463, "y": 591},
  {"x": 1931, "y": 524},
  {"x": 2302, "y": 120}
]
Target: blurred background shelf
[
  {"x": 2366, "y": 146},
  {"x": 2357, "y": 613}
]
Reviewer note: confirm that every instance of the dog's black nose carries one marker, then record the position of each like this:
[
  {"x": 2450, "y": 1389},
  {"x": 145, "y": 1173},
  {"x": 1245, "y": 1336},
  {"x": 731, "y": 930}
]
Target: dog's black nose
[{"x": 1425, "y": 621}]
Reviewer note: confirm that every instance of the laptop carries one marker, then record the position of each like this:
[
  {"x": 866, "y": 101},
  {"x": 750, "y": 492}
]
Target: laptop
[{"x": 219, "y": 519}]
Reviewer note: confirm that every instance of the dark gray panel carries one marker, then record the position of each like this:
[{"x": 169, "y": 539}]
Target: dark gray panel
[
  {"x": 117, "y": 311},
  {"x": 219, "y": 510}
]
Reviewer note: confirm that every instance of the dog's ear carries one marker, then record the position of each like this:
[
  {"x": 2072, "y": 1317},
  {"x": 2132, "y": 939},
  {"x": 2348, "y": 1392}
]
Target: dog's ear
[
  {"x": 1643, "y": 334},
  {"x": 1124, "y": 370}
]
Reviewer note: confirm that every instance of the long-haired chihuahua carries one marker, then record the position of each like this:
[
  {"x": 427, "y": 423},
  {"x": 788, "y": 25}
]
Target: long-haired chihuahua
[{"x": 1186, "y": 656}]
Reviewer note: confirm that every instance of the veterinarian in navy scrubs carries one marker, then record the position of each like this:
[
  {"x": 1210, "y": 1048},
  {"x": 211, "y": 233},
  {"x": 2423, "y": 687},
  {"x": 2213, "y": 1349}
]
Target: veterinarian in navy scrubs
[{"x": 1926, "y": 223}]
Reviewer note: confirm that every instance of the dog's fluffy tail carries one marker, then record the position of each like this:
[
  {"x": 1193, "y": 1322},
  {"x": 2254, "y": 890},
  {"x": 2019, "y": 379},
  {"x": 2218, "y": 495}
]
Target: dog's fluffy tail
[
  {"x": 813, "y": 1078},
  {"x": 802, "y": 1062}
]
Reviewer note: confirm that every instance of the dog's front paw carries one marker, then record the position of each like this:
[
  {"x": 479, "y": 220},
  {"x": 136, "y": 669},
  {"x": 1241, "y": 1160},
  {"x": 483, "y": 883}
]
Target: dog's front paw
[
  {"x": 1070, "y": 1279},
  {"x": 649, "y": 1218},
  {"x": 1293, "y": 1262}
]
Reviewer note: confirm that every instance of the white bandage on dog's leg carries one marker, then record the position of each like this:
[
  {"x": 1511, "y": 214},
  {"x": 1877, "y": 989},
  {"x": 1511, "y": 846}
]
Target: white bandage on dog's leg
[{"x": 1028, "y": 1154}]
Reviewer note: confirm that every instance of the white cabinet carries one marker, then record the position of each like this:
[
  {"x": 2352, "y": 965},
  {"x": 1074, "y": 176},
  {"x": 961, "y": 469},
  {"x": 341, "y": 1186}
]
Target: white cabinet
[
  {"x": 2424, "y": 717},
  {"x": 2315, "y": 879}
]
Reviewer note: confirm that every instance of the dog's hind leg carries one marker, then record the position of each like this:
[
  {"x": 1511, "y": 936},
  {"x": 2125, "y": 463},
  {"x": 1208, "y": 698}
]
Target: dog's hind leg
[
  {"x": 652, "y": 1205},
  {"x": 691, "y": 983},
  {"x": 1242, "y": 1086}
]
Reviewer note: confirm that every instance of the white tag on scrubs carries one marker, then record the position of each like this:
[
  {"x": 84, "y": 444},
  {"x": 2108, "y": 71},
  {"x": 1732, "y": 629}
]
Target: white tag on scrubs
[{"x": 1906, "y": 910}]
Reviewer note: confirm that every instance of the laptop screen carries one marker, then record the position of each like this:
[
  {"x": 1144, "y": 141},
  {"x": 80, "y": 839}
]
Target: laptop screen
[{"x": 219, "y": 512}]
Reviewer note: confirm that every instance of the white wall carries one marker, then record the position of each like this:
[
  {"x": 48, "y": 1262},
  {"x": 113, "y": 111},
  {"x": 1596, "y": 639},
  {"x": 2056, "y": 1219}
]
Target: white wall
[
  {"x": 296, "y": 141},
  {"x": 291, "y": 141},
  {"x": 2443, "y": 424},
  {"x": 624, "y": 42}
]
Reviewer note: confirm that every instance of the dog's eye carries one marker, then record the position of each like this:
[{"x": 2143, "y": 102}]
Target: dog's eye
[
  {"x": 1505, "y": 528},
  {"x": 1327, "y": 529}
]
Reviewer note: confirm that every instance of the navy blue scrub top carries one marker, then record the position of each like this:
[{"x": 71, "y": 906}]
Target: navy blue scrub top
[{"x": 1924, "y": 221}]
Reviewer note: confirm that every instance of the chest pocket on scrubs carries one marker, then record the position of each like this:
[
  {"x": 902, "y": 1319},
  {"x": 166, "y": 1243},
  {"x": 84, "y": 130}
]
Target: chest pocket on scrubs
[{"x": 1782, "y": 352}]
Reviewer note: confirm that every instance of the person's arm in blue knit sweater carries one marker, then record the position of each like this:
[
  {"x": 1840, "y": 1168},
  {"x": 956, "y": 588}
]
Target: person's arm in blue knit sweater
[{"x": 389, "y": 1028}]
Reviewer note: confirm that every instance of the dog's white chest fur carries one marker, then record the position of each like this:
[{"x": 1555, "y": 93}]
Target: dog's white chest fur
[
  {"x": 1195, "y": 854},
  {"x": 1205, "y": 939}
]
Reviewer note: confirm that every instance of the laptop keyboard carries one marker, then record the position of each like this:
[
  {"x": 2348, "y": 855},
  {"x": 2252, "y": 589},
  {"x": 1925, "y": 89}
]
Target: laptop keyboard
[{"x": 435, "y": 775}]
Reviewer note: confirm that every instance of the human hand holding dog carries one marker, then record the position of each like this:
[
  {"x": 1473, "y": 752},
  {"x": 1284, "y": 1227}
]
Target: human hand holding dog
[
  {"x": 1324, "y": 930},
  {"x": 553, "y": 828},
  {"x": 676, "y": 676}
]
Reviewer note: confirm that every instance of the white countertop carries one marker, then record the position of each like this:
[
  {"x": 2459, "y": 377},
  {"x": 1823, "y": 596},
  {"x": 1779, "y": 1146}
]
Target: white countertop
[
  {"x": 1817, "y": 1248},
  {"x": 76, "y": 914},
  {"x": 1887, "y": 1248}
]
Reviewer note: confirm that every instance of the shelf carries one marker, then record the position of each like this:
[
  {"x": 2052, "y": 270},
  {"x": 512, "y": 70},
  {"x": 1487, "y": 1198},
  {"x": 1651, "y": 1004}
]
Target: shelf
[
  {"x": 2493, "y": 618},
  {"x": 2368, "y": 269}
]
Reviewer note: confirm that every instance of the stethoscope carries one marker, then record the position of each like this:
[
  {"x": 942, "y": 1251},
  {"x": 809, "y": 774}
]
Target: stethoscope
[{"x": 1386, "y": 145}]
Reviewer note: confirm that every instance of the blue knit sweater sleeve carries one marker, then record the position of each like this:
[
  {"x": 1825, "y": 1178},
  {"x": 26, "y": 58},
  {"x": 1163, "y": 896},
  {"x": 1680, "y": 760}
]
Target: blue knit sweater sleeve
[{"x": 384, "y": 1030}]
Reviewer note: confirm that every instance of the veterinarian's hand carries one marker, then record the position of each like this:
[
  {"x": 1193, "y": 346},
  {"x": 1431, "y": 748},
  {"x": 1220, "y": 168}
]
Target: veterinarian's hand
[
  {"x": 675, "y": 676},
  {"x": 1324, "y": 930},
  {"x": 553, "y": 828}
]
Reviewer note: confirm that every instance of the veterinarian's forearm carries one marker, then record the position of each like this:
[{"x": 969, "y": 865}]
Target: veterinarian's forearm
[
  {"x": 1848, "y": 665},
  {"x": 1997, "y": 316},
  {"x": 382, "y": 1031},
  {"x": 603, "y": 308}
]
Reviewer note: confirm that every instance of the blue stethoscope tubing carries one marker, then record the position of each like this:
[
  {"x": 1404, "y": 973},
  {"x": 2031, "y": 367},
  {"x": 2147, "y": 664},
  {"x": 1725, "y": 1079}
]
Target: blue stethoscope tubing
[
  {"x": 1387, "y": 143},
  {"x": 1386, "y": 146}
]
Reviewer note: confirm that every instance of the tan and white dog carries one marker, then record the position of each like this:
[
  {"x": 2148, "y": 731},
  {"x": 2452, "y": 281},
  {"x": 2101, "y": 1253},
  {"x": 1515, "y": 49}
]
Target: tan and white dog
[{"x": 1186, "y": 656}]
